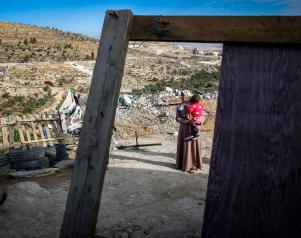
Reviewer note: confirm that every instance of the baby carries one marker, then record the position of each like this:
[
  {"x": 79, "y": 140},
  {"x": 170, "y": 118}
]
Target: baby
[{"x": 195, "y": 116}]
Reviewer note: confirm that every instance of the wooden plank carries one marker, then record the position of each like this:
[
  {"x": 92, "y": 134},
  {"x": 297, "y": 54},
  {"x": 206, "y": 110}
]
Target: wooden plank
[
  {"x": 7, "y": 147},
  {"x": 38, "y": 119},
  {"x": 42, "y": 140},
  {"x": 11, "y": 134},
  {"x": 44, "y": 144},
  {"x": 33, "y": 126},
  {"x": 55, "y": 130},
  {"x": 218, "y": 29},
  {"x": 93, "y": 151},
  {"x": 47, "y": 130},
  {"x": 255, "y": 171},
  {"x": 25, "y": 126},
  {"x": 4, "y": 133},
  {"x": 19, "y": 126},
  {"x": 1, "y": 136},
  {"x": 5, "y": 142}
]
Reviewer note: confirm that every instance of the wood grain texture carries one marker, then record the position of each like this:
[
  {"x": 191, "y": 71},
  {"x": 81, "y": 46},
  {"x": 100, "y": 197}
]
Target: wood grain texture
[
  {"x": 33, "y": 126},
  {"x": 219, "y": 29},
  {"x": 254, "y": 187},
  {"x": 26, "y": 129},
  {"x": 93, "y": 151},
  {"x": 44, "y": 144},
  {"x": 11, "y": 135},
  {"x": 4, "y": 133},
  {"x": 47, "y": 130},
  {"x": 19, "y": 126}
]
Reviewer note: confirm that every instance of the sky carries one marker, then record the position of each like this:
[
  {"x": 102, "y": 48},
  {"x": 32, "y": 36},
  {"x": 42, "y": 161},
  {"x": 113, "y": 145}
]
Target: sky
[{"x": 86, "y": 16}]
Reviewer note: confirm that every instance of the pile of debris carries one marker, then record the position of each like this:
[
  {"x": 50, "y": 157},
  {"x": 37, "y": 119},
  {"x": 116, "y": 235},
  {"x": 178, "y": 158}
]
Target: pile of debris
[
  {"x": 146, "y": 114},
  {"x": 168, "y": 97},
  {"x": 151, "y": 113}
]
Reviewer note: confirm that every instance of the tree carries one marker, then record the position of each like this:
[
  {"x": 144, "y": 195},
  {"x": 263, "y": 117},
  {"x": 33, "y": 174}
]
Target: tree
[
  {"x": 92, "y": 55},
  {"x": 25, "y": 42}
]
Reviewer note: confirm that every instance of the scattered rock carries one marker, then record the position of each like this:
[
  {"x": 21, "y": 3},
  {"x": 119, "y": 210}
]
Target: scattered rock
[
  {"x": 32, "y": 173},
  {"x": 24, "y": 196},
  {"x": 64, "y": 164}
]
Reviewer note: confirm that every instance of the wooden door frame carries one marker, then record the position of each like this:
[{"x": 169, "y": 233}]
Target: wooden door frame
[{"x": 119, "y": 27}]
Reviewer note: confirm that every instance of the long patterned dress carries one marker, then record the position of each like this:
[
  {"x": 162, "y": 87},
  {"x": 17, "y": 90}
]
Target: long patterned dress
[{"x": 189, "y": 154}]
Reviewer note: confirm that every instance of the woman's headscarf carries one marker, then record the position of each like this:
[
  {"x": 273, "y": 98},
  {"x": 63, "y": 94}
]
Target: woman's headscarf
[{"x": 186, "y": 93}]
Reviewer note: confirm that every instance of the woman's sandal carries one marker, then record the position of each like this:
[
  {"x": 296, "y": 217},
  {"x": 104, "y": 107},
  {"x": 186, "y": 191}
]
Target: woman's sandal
[{"x": 192, "y": 171}]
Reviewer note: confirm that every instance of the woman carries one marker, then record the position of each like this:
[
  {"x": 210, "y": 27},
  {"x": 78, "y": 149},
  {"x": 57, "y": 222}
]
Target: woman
[{"x": 188, "y": 151}]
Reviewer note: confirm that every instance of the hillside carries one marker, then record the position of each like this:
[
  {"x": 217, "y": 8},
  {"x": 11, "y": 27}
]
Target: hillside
[
  {"x": 33, "y": 78},
  {"x": 27, "y": 43}
]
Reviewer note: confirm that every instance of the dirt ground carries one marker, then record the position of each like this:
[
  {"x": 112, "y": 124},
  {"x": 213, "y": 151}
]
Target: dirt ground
[{"x": 143, "y": 196}]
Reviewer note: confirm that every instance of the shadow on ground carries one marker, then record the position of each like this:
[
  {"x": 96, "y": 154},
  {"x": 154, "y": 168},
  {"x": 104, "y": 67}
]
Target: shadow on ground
[{"x": 143, "y": 196}]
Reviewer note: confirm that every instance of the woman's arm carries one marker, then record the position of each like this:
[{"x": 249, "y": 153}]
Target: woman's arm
[{"x": 180, "y": 118}]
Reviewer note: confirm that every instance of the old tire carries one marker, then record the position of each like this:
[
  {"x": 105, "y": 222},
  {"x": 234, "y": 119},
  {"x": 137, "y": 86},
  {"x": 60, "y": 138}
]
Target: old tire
[
  {"x": 56, "y": 153},
  {"x": 3, "y": 160},
  {"x": 4, "y": 170},
  {"x": 60, "y": 148},
  {"x": 61, "y": 152},
  {"x": 62, "y": 156},
  {"x": 23, "y": 155},
  {"x": 41, "y": 163}
]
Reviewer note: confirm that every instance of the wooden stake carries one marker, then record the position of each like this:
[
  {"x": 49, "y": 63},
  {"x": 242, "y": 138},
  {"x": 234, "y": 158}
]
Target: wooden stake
[
  {"x": 44, "y": 144},
  {"x": 33, "y": 126},
  {"x": 11, "y": 131},
  {"x": 47, "y": 130},
  {"x": 19, "y": 125},
  {"x": 93, "y": 151}
]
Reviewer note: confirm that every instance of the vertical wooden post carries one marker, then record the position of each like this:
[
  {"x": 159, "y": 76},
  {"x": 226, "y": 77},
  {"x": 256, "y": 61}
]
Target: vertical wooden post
[
  {"x": 254, "y": 187},
  {"x": 5, "y": 144},
  {"x": 26, "y": 129},
  {"x": 33, "y": 126},
  {"x": 11, "y": 132},
  {"x": 93, "y": 152},
  {"x": 21, "y": 134},
  {"x": 44, "y": 144},
  {"x": 45, "y": 116}
]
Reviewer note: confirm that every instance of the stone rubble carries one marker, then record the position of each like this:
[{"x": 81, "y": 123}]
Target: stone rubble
[{"x": 150, "y": 113}]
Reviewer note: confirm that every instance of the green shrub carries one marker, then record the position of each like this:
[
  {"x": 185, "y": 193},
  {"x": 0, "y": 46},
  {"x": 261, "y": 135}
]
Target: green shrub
[
  {"x": 87, "y": 57},
  {"x": 68, "y": 46},
  {"x": 202, "y": 81},
  {"x": 32, "y": 40},
  {"x": 46, "y": 88},
  {"x": 25, "y": 59},
  {"x": 6, "y": 95}
]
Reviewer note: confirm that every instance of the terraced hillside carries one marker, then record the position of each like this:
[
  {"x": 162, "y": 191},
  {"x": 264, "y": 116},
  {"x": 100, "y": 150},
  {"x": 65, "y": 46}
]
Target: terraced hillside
[{"x": 27, "y": 43}]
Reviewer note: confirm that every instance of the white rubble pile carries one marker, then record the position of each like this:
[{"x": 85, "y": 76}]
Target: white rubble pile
[
  {"x": 156, "y": 111},
  {"x": 151, "y": 102}
]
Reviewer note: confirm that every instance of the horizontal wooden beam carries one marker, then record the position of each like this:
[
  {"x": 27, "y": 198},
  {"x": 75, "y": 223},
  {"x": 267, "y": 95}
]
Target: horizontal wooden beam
[
  {"x": 218, "y": 29},
  {"x": 42, "y": 140}
]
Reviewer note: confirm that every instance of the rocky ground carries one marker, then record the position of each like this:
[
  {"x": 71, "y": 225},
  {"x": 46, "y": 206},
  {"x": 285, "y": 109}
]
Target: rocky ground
[
  {"x": 147, "y": 64},
  {"x": 28, "y": 43},
  {"x": 143, "y": 196}
]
